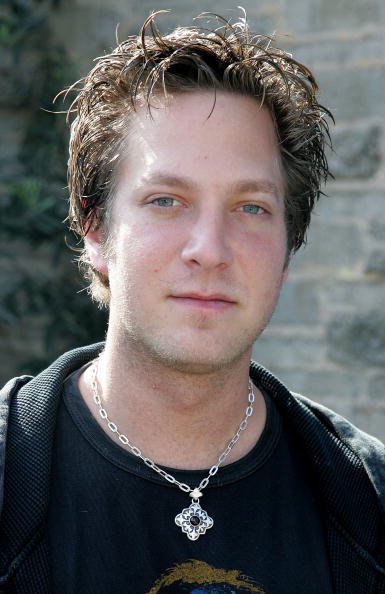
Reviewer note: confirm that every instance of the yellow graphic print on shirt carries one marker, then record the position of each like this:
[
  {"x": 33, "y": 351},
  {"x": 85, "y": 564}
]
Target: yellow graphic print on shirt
[{"x": 197, "y": 577}]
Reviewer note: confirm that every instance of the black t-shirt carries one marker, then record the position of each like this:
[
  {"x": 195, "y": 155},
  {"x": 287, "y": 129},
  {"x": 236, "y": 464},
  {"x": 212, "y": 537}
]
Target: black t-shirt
[{"x": 111, "y": 521}]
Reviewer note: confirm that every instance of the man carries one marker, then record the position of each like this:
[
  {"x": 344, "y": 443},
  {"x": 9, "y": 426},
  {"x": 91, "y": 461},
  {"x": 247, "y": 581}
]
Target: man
[{"x": 162, "y": 461}]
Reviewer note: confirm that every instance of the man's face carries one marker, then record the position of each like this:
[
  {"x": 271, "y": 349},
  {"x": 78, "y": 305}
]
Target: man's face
[{"x": 197, "y": 236}]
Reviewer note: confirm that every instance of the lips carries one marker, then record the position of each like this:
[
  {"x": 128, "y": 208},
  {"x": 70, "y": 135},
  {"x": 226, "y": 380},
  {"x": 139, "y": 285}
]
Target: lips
[
  {"x": 204, "y": 297},
  {"x": 213, "y": 301}
]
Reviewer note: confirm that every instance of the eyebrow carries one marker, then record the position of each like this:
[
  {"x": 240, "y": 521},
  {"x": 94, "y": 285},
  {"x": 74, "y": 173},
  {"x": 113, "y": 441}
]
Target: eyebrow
[
  {"x": 173, "y": 181},
  {"x": 246, "y": 186}
]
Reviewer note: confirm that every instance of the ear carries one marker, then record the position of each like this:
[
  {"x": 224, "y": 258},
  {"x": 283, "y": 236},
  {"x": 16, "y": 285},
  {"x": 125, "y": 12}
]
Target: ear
[{"x": 93, "y": 243}]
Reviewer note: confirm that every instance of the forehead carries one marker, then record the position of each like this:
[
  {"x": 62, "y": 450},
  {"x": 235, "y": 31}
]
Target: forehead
[
  {"x": 195, "y": 111},
  {"x": 226, "y": 136}
]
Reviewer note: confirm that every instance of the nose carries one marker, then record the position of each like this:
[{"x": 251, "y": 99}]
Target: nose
[{"x": 207, "y": 244}]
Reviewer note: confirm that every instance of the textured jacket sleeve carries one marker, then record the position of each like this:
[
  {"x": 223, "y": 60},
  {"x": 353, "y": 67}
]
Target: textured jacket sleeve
[
  {"x": 369, "y": 450},
  {"x": 6, "y": 394}
]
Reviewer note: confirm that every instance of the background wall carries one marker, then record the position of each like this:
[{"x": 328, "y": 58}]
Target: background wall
[{"x": 327, "y": 338}]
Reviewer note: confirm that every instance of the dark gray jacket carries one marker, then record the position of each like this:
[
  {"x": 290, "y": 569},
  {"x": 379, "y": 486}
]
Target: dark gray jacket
[{"x": 347, "y": 468}]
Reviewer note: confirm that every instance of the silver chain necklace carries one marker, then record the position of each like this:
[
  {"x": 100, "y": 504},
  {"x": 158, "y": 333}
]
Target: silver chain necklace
[{"x": 193, "y": 520}]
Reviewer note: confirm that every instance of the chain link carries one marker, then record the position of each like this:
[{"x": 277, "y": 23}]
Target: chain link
[{"x": 150, "y": 463}]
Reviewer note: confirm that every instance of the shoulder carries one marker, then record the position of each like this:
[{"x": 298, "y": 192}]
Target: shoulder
[
  {"x": 369, "y": 449},
  {"x": 33, "y": 397},
  {"x": 53, "y": 376},
  {"x": 347, "y": 431},
  {"x": 28, "y": 404},
  {"x": 49, "y": 380},
  {"x": 335, "y": 447},
  {"x": 6, "y": 395}
]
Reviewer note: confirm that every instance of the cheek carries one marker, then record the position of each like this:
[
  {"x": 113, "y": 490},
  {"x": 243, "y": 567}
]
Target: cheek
[
  {"x": 269, "y": 250},
  {"x": 140, "y": 251},
  {"x": 266, "y": 265}
]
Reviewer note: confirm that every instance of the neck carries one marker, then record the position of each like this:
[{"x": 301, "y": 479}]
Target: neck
[{"x": 178, "y": 419}]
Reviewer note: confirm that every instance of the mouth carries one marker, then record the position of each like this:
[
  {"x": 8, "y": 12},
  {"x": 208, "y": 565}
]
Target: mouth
[{"x": 213, "y": 301}]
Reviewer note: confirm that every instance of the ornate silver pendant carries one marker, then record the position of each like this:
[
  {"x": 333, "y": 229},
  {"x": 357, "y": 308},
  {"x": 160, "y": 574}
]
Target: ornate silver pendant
[{"x": 194, "y": 520}]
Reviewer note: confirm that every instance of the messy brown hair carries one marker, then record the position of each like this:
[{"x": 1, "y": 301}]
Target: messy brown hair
[{"x": 227, "y": 57}]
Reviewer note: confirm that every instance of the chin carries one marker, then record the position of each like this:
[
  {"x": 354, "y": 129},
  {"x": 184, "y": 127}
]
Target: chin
[
  {"x": 201, "y": 354},
  {"x": 201, "y": 362}
]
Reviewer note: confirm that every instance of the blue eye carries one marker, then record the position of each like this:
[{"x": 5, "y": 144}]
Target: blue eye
[
  {"x": 164, "y": 201},
  {"x": 252, "y": 208}
]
